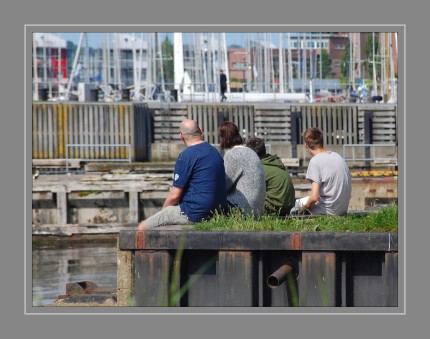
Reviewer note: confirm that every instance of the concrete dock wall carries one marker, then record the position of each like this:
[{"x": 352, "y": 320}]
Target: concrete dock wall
[
  {"x": 103, "y": 202},
  {"x": 171, "y": 267}
]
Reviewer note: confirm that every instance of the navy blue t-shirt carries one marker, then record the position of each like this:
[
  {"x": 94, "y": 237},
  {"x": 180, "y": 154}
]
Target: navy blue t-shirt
[{"x": 200, "y": 171}]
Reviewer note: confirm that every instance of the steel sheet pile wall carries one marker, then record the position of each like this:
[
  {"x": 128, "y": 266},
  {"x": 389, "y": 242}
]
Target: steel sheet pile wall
[
  {"x": 210, "y": 116},
  {"x": 57, "y": 125},
  {"x": 384, "y": 123},
  {"x": 339, "y": 122},
  {"x": 190, "y": 268},
  {"x": 274, "y": 124},
  {"x": 143, "y": 132},
  {"x": 342, "y": 123},
  {"x": 47, "y": 131},
  {"x": 166, "y": 124}
]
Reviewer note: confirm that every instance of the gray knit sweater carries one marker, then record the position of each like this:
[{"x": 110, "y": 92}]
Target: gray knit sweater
[{"x": 245, "y": 181}]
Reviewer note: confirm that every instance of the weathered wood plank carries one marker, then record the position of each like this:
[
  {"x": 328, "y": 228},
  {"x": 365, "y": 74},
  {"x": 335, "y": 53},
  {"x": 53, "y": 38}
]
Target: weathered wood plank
[
  {"x": 317, "y": 279},
  {"x": 236, "y": 272}
]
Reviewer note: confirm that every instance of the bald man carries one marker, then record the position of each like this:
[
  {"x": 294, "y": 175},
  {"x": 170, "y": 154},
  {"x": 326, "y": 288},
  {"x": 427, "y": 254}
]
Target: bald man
[{"x": 198, "y": 187}]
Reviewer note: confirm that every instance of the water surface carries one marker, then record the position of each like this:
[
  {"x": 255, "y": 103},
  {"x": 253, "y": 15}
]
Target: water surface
[{"x": 54, "y": 267}]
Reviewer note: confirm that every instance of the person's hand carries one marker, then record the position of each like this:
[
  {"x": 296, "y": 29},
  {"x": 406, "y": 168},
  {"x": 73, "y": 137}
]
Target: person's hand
[
  {"x": 302, "y": 210},
  {"x": 141, "y": 226}
]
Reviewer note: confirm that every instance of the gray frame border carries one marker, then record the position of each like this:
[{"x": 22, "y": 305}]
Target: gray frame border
[{"x": 401, "y": 29}]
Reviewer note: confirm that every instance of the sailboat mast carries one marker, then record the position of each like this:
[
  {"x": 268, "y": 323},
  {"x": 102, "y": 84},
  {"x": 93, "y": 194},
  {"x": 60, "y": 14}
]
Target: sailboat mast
[
  {"x": 320, "y": 65},
  {"x": 134, "y": 61},
  {"x": 86, "y": 61},
  {"x": 351, "y": 43},
  {"x": 107, "y": 62},
  {"x": 211, "y": 58},
  {"x": 267, "y": 60},
  {"x": 203, "y": 51},
  {"x": 75, "y": 63},
  {"x": 392, "y": 91},
  {"x": 59, "y": 68},
  {"x": 139, "y": 68},
  {"x": 358, "y": 55},
  {"x": 178, "y": 59},
  {"x": 161, "y": 62},
  {"x": 281, "y": 63},
  {"x": 44, "y": 60},
  {"x": 290, "y": 65},
  {"x": 248, "y": 63},
  {"x": 375, "y": 88},
  {"x": 115, "y": 58},
  {"x": 118, "y": 61},
  {"x": 35, "y": 77},
  {"x": 383, "y": 65},
  {"x": 304, "y": 79},
  {"x": 299, "y": 58},
  {"x": 224, "y": 51},
  {"x": 311, "y": 57}
]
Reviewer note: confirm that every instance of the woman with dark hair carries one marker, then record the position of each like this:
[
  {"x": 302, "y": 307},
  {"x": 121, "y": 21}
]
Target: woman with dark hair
[{"x": 245, "y": 180}]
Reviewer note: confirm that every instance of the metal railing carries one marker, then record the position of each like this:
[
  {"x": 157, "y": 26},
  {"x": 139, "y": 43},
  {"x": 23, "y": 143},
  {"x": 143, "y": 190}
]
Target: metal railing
[
  {"x": 99, "y": 159},
  {"x": 268, "y": 147},
  {"x": 366, "y": 152}
]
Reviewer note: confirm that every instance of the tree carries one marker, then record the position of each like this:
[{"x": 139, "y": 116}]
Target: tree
[
  {"x": 70, "y": 54},
  {"x": 167, "y": 52},
  {"x": 372, "y": 53},
  {"x": 325, "y": 64},
  {"x": 344, "y": 66}
]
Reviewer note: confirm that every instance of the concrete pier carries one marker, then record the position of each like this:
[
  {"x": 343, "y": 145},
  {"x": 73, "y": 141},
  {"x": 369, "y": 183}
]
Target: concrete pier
[
  {"x": 231, "y": 269},
  {"x": 107, "y": 203}
]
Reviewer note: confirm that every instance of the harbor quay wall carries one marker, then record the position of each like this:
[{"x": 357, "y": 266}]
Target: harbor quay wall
[
  {"x": 107, "y": 203},
  {"x": 95, "y": 203},
  {"x": 149, "y": 131},
  {"x": 173, "y": 267}
]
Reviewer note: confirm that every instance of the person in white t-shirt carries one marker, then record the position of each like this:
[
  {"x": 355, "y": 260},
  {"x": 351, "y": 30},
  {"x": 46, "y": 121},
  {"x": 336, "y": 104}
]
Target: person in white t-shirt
[{"x": 329, "y": 176}]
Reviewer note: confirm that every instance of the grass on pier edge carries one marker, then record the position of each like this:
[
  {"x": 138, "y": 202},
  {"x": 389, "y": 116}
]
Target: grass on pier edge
[{"x": 384, "y": 219}]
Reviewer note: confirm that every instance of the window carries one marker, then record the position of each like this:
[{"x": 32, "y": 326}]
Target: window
[{"x": 239, "y": 65}]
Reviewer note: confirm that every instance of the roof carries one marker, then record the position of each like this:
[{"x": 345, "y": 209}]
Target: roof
[
  {"x": 128, "y": 41},
  {"x": 49, "y": 40}
]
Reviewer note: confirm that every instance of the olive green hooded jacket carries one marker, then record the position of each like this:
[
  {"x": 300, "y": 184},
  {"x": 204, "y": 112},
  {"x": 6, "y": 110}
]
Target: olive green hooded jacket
[{"x": 280, "y": 193}]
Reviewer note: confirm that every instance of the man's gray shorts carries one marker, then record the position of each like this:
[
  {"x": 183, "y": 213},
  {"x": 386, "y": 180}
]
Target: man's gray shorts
[{"x": 170, "y": 215}]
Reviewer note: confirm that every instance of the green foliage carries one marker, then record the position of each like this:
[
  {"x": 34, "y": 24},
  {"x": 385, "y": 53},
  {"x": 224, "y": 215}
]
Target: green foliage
[
  {"x": 233, "y": 79},
  {"x": 370, "y": 53},
  {"x": 344, "y": 67},
  {"x": 382, "y": 220},
  {"x": 325, "y": 64},
  {"x": 83, "y": 194},
  {"x": 168, "y": 67}
]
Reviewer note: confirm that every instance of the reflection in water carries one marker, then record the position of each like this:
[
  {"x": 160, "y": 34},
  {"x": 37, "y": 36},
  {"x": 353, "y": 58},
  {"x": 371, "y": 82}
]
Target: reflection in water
[{"x": 53, "y": 268}]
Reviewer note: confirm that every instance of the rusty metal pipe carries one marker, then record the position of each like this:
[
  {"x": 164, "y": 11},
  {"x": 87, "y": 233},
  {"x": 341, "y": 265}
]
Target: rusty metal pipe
[{"x": 278, "y": 277}]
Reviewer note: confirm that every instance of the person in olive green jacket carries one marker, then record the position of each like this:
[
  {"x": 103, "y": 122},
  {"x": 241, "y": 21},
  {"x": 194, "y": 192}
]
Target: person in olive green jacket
[{"x": 280, "y": 192}]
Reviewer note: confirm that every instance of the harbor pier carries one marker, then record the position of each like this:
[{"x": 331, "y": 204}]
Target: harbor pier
[
  {"x": 170, "y": 267},
  {"x": 67, "y": 205}
]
